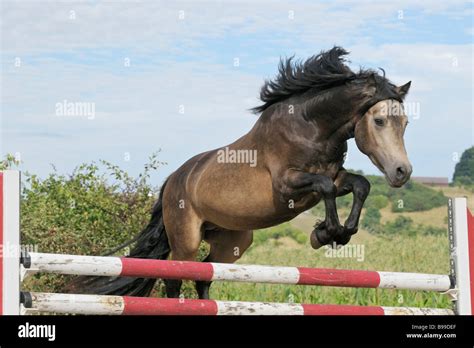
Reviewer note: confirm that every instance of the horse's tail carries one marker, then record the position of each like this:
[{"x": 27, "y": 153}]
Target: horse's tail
[{"x": 151, "y": 243}]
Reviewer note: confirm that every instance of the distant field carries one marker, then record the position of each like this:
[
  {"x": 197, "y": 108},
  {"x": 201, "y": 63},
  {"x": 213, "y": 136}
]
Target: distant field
[{"x": 428, "y": 254}]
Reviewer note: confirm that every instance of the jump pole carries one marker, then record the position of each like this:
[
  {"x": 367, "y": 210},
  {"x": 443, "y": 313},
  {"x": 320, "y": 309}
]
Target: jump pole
[
  {"x": 9, "y": 242},
  {"x": 127, "y": 305},
  {"x": 209, "y": 271}
]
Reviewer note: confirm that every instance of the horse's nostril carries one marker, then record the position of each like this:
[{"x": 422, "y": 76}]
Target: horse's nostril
[{"x": 401, "y": 172}]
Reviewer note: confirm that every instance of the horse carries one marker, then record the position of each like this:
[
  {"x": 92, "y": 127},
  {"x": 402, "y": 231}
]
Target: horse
[{"x": 287, "y": 163}]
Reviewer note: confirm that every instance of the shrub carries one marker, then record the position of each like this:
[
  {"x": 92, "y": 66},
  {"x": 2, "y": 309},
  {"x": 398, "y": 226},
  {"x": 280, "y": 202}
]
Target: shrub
[
  {"x": 277, "y": 232},
  {"x": 371, "y": 218},
  {"x": 89, "y": 212},
  {"x": 86, "y": 206},
  {"x": 376, "y": 201},
  {"x": 401, "y": 224},
  {"x": 416, "y": 197},
  {"x": 413, "y": 196},
  {"x": 464, "y": 170},
  {"x": 343, "y": 201}
]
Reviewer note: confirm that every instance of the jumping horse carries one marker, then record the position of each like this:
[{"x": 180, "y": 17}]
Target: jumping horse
[{"x": 309, "y": 112}]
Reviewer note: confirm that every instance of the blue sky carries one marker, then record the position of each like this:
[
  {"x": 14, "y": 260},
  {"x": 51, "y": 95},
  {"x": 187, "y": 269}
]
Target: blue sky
[{"x": 75, "y": 51}]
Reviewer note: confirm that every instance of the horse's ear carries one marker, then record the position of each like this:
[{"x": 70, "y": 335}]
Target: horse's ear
[{"x": 403, "y": 90}]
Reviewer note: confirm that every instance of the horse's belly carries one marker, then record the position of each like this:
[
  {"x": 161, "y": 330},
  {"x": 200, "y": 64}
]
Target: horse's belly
[{"x": 242, "y": 201}]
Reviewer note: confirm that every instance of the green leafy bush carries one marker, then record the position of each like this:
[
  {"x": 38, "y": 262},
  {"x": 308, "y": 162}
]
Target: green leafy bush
[
  {"x": 464, "y": 170},
  {"x": 402, "y": 225},
  {"x": 89, "y": 212},
  {"x": 9, "y": 162},
  {"x": 277, "y": 232},
  {"x": 411, "y": 197},
  {"x": 376, "y": 202},
  {"x": 416, "y": 197},
  {"x": 344, "y": 201},
  {"x": 371, "y": 217},
  {"x": 371, "y": 220}
]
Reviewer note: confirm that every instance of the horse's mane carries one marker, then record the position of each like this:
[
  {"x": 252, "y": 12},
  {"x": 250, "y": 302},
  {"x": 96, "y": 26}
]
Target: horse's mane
[{"x": 318, "y": 73}]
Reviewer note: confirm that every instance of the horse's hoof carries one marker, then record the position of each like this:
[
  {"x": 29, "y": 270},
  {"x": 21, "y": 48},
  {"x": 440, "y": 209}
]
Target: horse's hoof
[{"x": 315, "y": 243}]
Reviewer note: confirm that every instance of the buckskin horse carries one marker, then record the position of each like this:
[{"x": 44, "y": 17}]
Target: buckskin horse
[{"x": 309, "y": 112}]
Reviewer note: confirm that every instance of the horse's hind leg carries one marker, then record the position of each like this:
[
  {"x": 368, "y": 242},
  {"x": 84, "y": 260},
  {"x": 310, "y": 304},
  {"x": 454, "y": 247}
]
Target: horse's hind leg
[
  {"x": 184, "y": 236},
  {"x": 226, "y": 247}
]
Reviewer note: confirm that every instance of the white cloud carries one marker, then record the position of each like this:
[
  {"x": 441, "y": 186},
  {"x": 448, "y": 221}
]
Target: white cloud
[
  {"x": 30, "y": 27},
  {"x": 137, "y": 109}
]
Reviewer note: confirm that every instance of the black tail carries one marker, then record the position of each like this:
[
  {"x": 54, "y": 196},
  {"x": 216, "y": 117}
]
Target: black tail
[{"x": 151, "y": 243}]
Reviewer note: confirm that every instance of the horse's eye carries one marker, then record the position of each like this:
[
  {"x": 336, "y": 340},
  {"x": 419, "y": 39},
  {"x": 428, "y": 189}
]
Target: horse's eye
[{"x": 379, "y": 122}]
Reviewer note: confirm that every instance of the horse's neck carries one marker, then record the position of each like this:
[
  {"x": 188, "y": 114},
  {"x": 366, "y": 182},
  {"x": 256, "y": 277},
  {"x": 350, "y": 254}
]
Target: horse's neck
[{"x": 294, "y": 137}]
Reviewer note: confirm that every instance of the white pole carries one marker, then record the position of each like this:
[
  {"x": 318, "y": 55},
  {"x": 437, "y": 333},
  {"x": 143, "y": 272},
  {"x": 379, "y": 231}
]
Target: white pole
[
  {"x": 10, "y": 242},
  {"x": 459, "y": 240}
]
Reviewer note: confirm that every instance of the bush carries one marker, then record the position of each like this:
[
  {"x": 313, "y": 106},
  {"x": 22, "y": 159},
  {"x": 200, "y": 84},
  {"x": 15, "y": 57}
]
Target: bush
[
  {"x": 85, "y": 206},
  {"x": 416, "y": 197},
  {"x": 277, "y": 232},
  {"x": 411, "y": 197},
  {"x": 464, "y": 170},
  {"x": 371, "y": 218},
  {"x": 464, "y": 181},
  {"x": 9, "y": 162},
  {"x": 89, "y": 212},
  {"x": 403, "y": 225},
  {"x": 376, "y": 201},
  {"x": 343, "y": 201}
]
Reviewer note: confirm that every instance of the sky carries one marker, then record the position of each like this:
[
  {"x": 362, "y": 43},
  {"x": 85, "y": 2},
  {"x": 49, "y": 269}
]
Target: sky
[{"x": 181, "y": 76}]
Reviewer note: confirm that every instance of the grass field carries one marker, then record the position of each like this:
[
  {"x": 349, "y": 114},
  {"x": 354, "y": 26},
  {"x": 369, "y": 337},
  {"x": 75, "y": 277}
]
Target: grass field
[{"x": 403, "y": 253}]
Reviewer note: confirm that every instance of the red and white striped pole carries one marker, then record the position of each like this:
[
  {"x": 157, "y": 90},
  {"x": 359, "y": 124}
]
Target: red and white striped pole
[
  {"x": 10, "y": 242},
  {"x": 207, "y": 271},
  {"x": 126, "y": 305}
]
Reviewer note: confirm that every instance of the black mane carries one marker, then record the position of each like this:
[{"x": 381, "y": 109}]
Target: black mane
[{"x": 319, "y": 72}]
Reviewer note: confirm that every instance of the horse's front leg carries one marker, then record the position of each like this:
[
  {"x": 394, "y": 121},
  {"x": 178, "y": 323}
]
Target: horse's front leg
[
  {"x": 360, "y": 187},
  {"x": 296, "y": 184}
]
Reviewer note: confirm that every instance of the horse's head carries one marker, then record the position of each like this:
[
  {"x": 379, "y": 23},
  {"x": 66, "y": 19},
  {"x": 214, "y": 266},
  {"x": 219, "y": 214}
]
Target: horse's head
[{"x": 379, "y": 135}]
